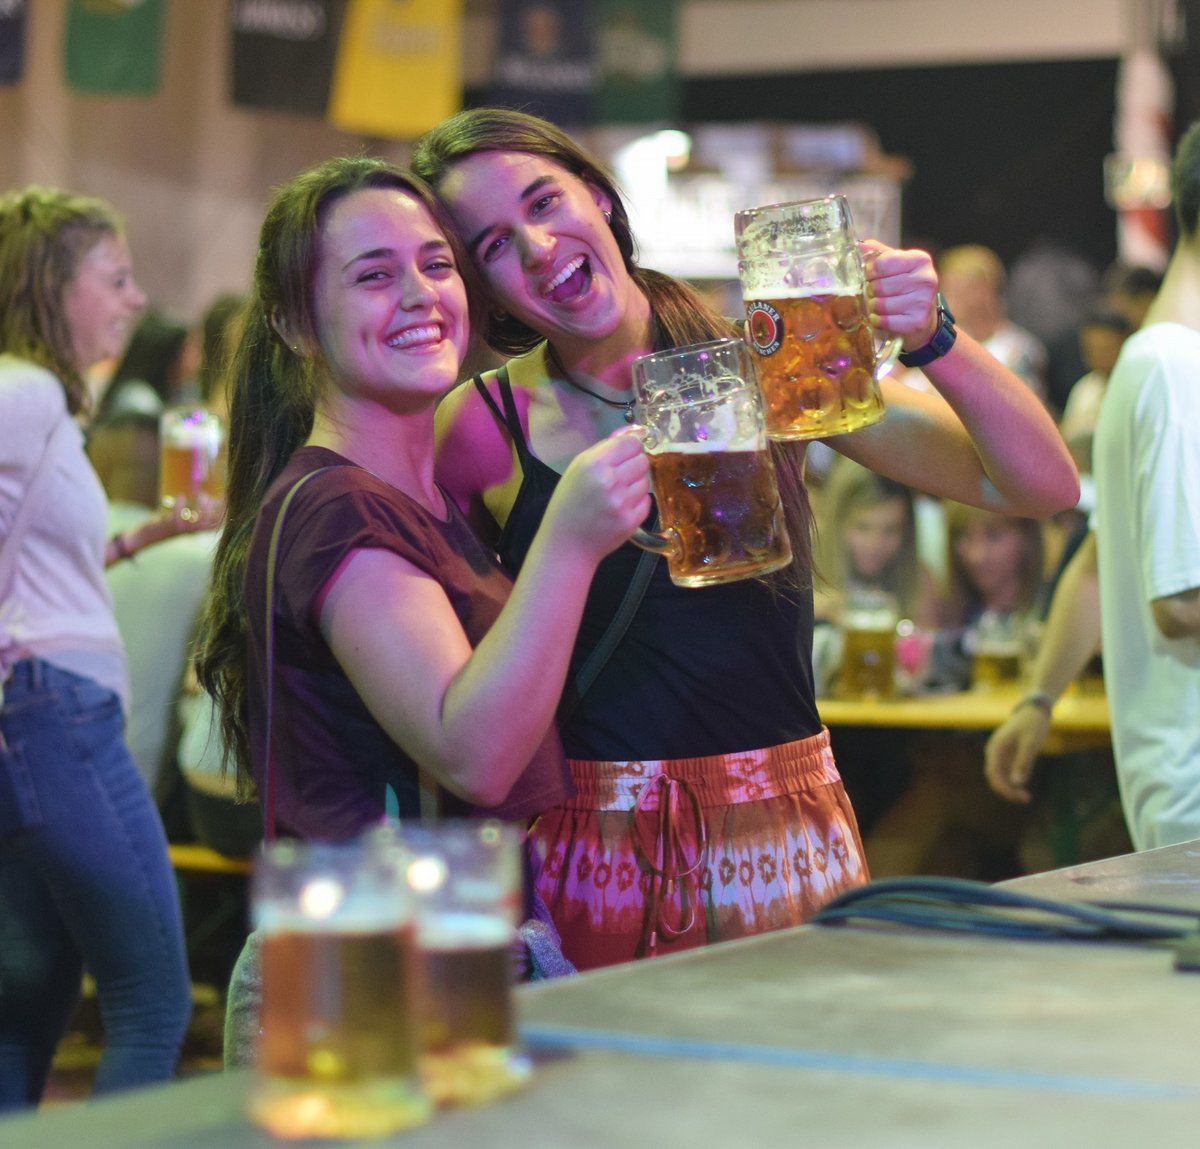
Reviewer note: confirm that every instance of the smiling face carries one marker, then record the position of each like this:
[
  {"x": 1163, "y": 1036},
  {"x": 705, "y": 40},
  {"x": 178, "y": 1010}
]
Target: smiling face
[
  {"x": 390, "y": 305},
  {"x": 102, "y": 302},
  {"x": 539, "y": 237},
  {"x": 873, "y": 537}
]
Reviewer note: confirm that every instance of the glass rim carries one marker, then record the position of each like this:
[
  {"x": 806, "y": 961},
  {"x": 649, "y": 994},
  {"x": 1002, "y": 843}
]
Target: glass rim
[
  {"x": 793, "y": 203},
  {"x": 690, "y": 349}
]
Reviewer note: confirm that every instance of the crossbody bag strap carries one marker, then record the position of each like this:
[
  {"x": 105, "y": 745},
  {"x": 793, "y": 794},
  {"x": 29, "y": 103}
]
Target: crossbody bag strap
[
  {"x": 272, "y": 554},
  {"x": 429, "y": 793},
  {"x": 610, "y": 640}
]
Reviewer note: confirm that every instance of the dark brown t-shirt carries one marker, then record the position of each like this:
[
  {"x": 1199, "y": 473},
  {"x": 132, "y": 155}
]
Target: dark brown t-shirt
[{"x": 333, "y": 760}]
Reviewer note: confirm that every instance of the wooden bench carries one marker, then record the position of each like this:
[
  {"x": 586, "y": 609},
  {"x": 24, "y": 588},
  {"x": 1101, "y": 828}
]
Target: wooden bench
[{"x": 213, "y": 898}]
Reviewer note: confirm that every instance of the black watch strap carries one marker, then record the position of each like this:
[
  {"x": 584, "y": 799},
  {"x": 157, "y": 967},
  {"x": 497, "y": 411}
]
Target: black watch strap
[{"x": 940, "y": 342}]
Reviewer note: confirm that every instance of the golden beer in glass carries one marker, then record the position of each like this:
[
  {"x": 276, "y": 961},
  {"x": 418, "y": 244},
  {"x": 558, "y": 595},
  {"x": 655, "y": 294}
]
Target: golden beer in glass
[
  {"x": 808, "y": 319},
  {"x": 467, "y": 879},
  {"x": 720, "y": 514},
  {"x": 191, "y": 457},
  {"x": 868, "y": 666},
  {"x": 338, "y": 1050}
]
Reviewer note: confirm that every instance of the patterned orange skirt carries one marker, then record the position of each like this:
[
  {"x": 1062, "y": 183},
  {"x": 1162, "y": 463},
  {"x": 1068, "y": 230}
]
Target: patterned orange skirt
[{"x": 657, "y": 857}]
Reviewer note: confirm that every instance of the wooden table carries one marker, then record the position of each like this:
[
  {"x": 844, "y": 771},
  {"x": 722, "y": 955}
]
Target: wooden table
[
  {"x": 1079, "y": 721},
  {"x": 853, "y": 1038}
]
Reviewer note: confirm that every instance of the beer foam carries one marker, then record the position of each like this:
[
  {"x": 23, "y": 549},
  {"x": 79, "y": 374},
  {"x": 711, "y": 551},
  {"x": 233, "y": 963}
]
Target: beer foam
[
  {"x": 753, "y": 443},
  {"x": 781, "y": 293},
  {"x": 352, "y": 919},
  {"x": 464, "y": 931}
]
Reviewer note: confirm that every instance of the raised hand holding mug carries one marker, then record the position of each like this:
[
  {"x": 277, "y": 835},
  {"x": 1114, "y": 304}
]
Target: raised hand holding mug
[
  {"x": 807, "y": 317},
  {"x": 710, "y": 465}
]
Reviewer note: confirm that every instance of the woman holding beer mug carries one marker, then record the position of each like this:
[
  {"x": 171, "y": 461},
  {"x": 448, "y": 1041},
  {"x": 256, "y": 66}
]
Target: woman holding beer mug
[
  {"x": 85, "y": 880},
  {"x": 398, "y": 649},
  {"x": 708, "y": 803}
]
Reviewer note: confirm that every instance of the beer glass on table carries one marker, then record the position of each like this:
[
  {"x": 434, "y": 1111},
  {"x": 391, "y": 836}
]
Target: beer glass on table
[
  {"x": 191, "y": 458},
  {"x": 720, "y": 513},
  {"x": 807, "y": 318},
  {"x": 338, "y": 1050},
  {"x": 868, "y": 666},
  {"x": 467, "y": 878},
  {"x": 998, "y": 650}
]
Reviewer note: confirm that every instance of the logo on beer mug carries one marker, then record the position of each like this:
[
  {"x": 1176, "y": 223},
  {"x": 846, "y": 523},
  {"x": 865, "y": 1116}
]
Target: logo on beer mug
[{"x": 808, "y": 319}]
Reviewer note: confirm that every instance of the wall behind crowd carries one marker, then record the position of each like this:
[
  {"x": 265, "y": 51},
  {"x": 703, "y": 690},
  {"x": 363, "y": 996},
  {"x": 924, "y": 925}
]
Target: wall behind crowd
[{"x": 1001, "y": 152}]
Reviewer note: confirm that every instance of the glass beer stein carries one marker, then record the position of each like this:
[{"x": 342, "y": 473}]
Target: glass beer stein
[
  {"x": 807, "y": 318},
  {"x": 191, "y": 458},
  {"x": 868, "y": 669},
  {"x": 338, "y": 1051},
  {"x": 719, "y": 509},
  {"x": 466, "y": 876}
]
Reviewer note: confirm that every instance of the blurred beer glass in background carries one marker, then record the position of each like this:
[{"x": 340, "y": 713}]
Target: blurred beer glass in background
[
  {"x": 807, "y": 312},
  {"x": 338, "y": 1051},
  {"x": 191, "y": 458},
  {"x": 868, "y": 666},
  {"x": 467, "y": 878},
  {"x": 710, "y": 464},
  {"x": 998, "y": 652}
]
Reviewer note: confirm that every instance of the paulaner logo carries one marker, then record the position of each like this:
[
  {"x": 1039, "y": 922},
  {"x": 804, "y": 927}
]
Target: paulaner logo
[{"x": 766, "y": 327}]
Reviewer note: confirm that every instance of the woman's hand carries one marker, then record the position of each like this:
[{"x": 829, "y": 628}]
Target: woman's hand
[
  {"x": 603, "y": 496},
  {"x": 902, "y": 288}
]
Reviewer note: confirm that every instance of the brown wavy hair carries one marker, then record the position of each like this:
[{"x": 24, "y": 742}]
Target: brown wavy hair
[
  {"x": 44, "y": 235},
  {"x": 681, "y": 313}
]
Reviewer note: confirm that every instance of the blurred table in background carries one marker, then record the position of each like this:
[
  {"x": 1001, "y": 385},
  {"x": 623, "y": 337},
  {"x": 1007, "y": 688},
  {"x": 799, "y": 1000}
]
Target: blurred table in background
[{"x": 1079, "y": 721}]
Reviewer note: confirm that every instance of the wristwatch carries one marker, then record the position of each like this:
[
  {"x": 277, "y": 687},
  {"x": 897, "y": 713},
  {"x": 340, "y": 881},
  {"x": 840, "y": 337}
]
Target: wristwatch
[{"x": 941, "y": 341}]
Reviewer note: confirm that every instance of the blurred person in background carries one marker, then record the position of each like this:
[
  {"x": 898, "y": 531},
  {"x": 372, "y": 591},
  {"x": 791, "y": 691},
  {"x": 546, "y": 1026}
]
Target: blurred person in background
[
  {"x": 85, "y": 880},
  {"x": 973, "y": 282},
  {"x": 1140, "y": 565}
]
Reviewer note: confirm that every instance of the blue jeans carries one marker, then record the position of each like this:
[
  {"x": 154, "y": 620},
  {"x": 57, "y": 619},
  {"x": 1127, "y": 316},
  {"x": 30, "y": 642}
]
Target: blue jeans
[{"x": 87, "y": 883}]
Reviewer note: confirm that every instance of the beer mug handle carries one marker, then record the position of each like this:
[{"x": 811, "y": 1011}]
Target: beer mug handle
[
  {"x": 885, "y": 356},
  {"x": 665, "y": 543}
]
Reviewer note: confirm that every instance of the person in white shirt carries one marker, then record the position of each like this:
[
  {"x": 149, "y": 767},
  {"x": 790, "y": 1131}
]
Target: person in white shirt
[{"x": 1140, "y": 564}]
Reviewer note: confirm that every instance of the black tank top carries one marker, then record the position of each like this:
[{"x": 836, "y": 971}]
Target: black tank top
[{"x": 700, "y": 671}]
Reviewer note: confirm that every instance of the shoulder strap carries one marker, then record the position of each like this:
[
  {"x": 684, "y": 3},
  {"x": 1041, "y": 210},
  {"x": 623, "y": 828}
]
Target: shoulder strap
[
  {"x": 603, "y": 651},
  {"x": 430, "y": 796},
  {"x": 509, "y": 416}
]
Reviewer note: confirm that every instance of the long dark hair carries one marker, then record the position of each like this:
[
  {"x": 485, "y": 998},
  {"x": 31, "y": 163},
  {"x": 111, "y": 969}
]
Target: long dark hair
[
  {"x": 44, "y": 235},
  {"x": 681, "y": 313},
  {"x": 274, "y": 391}
]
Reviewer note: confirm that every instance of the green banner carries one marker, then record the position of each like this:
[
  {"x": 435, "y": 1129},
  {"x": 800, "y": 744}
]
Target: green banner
[
  {"x": 114, "y": 46},
  {"x": 639, "y": 82}
]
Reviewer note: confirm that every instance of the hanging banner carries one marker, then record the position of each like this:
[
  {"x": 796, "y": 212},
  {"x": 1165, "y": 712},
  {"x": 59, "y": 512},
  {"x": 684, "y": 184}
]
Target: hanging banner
[
  {"x": 638, "y": 82},
  {"x": 399, "y": 67},
  {"x": 545, "y": 59},
  {"x": 282, "y": 53},
  {"x": 12, "y": 40},
  {"x": 113, "y": 47}
]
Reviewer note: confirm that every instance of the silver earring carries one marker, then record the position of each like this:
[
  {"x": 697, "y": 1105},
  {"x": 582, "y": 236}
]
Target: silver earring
[{"x": 607, "y": 216}]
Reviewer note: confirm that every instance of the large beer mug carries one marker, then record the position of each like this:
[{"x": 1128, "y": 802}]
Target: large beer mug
[
  {"x": 710, "y": 464},
  {"x": 338, "y": 1049},
  {"x": 467, "y": 878},
  {"x": 807, "y": 318},
  {"x": 191, "y": 458}
]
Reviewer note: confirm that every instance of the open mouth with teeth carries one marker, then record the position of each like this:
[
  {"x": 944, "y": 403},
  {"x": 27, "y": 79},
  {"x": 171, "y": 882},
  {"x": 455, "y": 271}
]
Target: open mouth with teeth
[
  {"x": 422, "y": 336},
  {"x": 571, "y": 281}
]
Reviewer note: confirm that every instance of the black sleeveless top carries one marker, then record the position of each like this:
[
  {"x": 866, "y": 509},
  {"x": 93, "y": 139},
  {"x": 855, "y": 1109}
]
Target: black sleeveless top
[{"x": 700, "y": 671}]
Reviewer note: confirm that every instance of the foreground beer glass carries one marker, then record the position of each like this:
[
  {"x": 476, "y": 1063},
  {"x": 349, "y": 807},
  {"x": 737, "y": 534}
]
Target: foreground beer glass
[
  {"x": 467, "y": 878},
  {"x": 191, "y": 457},
  {"x": 339, "y": 1042},
  {"x": 805, "y": 292},
  {"x": 710, "y": 464}
]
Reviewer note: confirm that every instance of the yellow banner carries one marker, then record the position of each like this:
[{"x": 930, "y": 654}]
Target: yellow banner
[{"x": 399, "y": 67}]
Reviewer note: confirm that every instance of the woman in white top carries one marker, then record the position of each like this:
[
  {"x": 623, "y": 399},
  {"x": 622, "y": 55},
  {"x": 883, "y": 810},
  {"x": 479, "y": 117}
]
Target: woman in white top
[{"x": 84, "y": 875}]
